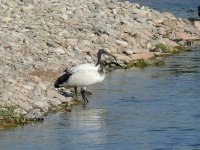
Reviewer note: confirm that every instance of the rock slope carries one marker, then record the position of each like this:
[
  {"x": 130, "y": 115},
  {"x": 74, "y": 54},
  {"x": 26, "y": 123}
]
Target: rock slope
[{"x": 40, "y": 38}]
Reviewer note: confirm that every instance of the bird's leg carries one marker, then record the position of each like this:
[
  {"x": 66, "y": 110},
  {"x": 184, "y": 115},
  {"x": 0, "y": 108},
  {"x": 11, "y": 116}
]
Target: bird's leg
[
  {"x": 83, "y": 95},
  {"x": 75, "y": 89}
]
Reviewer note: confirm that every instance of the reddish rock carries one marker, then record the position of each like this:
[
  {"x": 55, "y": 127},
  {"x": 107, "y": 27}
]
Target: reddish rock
[
  {"x": 183, "y": 35},
  {"x": 168, "y": 42},
  {"x": 197, "y": 25},
  {"x": 147, "y": 55},
  {"x": 140, "y": 50},
  {"x": 123, "y": 58},
  {"x": 170, "y": 22}
]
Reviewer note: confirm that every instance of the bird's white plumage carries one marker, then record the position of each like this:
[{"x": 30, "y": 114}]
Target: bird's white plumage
[
  {"x": 88, "y": 66},
  {"x": 83, "y": 78},
  {"x": 84, "y": 75}
]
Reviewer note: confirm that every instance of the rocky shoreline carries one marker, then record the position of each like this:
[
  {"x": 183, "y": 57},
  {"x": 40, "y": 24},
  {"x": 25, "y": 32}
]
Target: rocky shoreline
[{"x": 41, "y": 38}]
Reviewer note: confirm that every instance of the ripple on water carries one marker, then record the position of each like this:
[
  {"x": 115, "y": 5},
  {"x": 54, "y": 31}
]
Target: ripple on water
[{"x": 129, "y": 110}]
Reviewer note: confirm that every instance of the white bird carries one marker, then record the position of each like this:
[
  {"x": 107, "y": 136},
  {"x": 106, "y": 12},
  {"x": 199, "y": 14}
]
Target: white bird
[
  {"x": 84, "y": 75},
  {"x": 81, "y": 78},
  {"x": 90, "y": 66}
]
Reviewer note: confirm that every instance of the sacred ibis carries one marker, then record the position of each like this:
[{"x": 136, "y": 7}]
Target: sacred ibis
[
  {"x": 91, "y": 66},
  {"x": 84, "y": 75}
]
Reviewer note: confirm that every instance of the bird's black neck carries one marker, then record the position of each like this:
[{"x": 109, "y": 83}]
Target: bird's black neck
[{"x": 98, "y": 59}]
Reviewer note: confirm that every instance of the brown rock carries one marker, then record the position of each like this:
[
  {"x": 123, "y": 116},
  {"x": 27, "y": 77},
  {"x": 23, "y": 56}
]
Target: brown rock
[
  {"x": 169, "y": 15},
  {"x": 147, "y": 55},
  {"x": 183, "y": 35},
  {"x": 170, "y": 22},
  {"x": 139, "y": 50},
  {"x": 123, "y": 58},
  {"x": 197, "y": 25},
  {"x": 168, "y": 42},
  {"x": 6, "y": 19}
]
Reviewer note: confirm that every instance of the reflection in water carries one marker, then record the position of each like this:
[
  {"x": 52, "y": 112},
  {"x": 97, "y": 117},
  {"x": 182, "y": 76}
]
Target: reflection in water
[{"x": 88, "y": 123}]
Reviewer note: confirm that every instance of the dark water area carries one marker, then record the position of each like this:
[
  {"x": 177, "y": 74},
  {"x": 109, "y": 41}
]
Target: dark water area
[
  {"x": 156, "y": 108},
  {"x": 180, "y": 8}
]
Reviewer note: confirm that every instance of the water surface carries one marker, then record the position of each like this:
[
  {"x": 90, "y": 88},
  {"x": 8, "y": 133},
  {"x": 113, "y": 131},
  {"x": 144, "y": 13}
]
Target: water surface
[
  {"x": 180, "y": 8},
  {"x": 152, "y": 108}
]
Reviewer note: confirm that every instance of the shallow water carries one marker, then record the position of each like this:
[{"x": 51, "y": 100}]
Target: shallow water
[
  {"x": 152, "y": 108},
  {"x": 180, "y": 8}
]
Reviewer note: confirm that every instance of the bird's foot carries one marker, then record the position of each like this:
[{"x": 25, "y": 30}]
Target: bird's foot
[{"x": 85, "y": 101}]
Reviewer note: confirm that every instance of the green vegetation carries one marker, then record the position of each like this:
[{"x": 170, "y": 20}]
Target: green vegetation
[
  {"x": 165, "y": 51},
  {"x": 182, "y": 48},
  {"x": 9, "y": 119},
  {"x": 158, "y": 63},
  {"x": 140, "y": 63},
  {"x": 160, "y": 47},
  {"x": 163, "y": 48}
]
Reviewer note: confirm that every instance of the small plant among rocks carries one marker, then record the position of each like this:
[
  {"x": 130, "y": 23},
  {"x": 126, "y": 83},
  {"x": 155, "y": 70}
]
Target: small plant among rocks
[
  {"x": 9, "y": 119},
  {"x": 160, "y": 47},
  {"x": 140, "y": 63}
]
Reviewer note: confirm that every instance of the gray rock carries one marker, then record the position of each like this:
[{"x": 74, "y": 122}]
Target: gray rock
[
  {"x": 54, "y": 102},
  {"x": 35, "y": 115},
  {"x": 41, "y": 38},
  {"x": 42, "y": 104},
  {"x": 6, "y": 19},
  {"x": 42, "y": 86},
  {"x": 59, "y": 50},
  {"x": 19, "y": 111},
  {"x": 28, "y": 1},
  {"x": 122, "y": 43},
  {"x": 36, "y": 97},
  {"x": 128, "y": 51},
  {"x": 52, "y": 43}
]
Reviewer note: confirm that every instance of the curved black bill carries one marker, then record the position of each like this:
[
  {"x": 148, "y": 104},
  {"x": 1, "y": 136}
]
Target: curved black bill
[
  {"x": 110, "y": 64},
  {"x": 101, "y": 52}
]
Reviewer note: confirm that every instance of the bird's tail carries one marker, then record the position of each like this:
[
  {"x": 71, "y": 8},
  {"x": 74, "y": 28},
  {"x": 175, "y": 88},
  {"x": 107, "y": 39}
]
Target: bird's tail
[
  {"x": 198, "y": 10},
  {"x": 62, "y": 79}
]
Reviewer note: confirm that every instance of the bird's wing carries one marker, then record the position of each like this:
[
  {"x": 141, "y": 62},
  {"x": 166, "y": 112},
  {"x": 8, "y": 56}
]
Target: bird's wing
[
  {"x": 83, "y": 78},
  {"x": 83, "y": 67},
  {"x": 62, "y": 79}
]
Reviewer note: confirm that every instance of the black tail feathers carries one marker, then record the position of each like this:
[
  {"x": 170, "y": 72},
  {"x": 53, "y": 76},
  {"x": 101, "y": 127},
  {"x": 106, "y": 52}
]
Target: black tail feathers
[{"x": 62, "y": 79}]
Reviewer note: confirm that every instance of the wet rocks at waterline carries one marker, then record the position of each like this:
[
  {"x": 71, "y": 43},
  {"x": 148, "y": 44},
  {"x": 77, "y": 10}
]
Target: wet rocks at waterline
[{"x": 40, "y": 39}]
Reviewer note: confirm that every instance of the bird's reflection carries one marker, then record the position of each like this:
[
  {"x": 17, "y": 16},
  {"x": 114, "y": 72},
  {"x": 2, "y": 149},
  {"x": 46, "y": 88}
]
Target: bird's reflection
[
  {"x": 86, "y": 125},
  {"x": 88, "y": 118}
]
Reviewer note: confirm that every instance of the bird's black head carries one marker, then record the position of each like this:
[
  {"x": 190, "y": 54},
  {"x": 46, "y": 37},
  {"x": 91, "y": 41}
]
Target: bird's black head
[
  {"x": 111, "y": 65},
  {"x": 101, "y": 52}
]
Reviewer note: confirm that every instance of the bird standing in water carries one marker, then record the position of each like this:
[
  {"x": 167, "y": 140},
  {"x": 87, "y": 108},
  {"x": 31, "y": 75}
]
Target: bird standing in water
[{"x": 84, "y": 75}]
